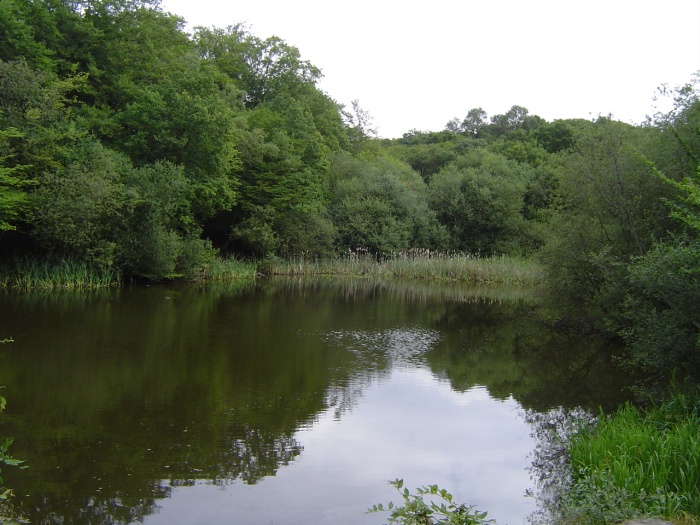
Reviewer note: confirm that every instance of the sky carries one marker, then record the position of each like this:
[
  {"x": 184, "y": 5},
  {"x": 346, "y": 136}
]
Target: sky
[{"x": 417, "y": 65}]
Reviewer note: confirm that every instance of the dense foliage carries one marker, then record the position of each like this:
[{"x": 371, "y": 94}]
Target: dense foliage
[{"x": 136, "y": 149}]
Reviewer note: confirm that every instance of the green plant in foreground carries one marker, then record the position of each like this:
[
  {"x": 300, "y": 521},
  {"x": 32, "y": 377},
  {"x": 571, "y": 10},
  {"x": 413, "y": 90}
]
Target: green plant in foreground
[
  {"x": 636, "y": 463},
  {"x": 416, "y": 511}
]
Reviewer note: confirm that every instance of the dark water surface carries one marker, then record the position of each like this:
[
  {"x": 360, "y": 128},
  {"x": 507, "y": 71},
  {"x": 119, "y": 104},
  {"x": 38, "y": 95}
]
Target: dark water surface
[{"x": 286, "y": 402}]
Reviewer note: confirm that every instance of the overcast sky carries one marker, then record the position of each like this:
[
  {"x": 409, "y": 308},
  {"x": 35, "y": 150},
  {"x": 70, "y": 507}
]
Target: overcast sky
[{"x": 417, "y": 65}]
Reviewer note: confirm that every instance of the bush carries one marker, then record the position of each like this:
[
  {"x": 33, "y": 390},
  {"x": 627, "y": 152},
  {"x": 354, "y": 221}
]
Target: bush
[{"x": 661, "y": 319}]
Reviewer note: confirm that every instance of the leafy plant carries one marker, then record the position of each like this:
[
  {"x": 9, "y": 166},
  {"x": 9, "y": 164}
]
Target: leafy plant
[{"x": 416, "y": 511}]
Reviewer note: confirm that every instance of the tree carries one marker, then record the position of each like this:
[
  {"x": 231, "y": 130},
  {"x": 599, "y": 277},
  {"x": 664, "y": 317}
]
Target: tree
[
  {"x": 78, "y": 209},
  {"x": 14, "y": 197},
  {"x": 427, "y": 153},
  {"x": 556, "y": 136},
  {"x": 479, "y": 198},
  {"x": 285, "y": 187},
  {"x": 660, "y": 320},
  {"x": 358, "y": 122},
  {"x": 261, "y": 68},
  {"x": 190, "y": 120},
  {"x": 474, "y": 124},
  {"x": 160, "y": 237},
  {"x": 380, "y": 204},
  {"x": 27, "y": 27}
]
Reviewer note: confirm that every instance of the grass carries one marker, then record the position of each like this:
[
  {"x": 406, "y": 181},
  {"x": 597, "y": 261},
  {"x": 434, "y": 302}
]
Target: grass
[
  {"x": 637, "y": 463},
  {"x": 410, "y": 265},
  {"x": 48, "y": 275},
  {"x": 228, "y": 269},
  {"x": 418, "y": 264}
]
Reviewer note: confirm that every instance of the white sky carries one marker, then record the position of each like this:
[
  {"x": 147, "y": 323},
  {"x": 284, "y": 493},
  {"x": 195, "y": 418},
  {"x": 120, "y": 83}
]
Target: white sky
[{"x": 417, "y": 65}]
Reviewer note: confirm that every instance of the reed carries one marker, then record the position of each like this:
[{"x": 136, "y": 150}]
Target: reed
[
  {"x": 653, "y": 456},
  {"x": 416, "y": 264},
  {"x": 228, "y": 269},
  {"x": 54, "y": 274}
]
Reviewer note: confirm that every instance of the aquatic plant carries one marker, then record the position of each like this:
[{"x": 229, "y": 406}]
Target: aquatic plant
[
  {"x": 53, "y": 274},
  {"x": 415, "y": 264},
  {"x": 228, "y": 269}
]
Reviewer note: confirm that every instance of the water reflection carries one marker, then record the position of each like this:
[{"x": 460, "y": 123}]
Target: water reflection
[{"x": 127, "y": 404}]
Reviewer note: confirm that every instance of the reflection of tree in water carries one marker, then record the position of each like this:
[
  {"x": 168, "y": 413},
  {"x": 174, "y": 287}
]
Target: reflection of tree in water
[
  {"x": 375, "y": 353},
  {"x": 121, "y": 477},
  {"x": 125, "y": 399},
  {"x": 115, "y": 510},
  {"x": 550, "y": 470},
  {"x": 505, "y": 348},
  {"x": 253, "y": 456},
  {"x": 380, "y": 349}
]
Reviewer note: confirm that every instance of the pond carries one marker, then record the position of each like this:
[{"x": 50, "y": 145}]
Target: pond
[{"x": 282, "y": 401}]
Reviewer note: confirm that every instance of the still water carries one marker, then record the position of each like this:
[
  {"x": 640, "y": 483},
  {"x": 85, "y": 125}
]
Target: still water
[{"x": 285, "y": 402}]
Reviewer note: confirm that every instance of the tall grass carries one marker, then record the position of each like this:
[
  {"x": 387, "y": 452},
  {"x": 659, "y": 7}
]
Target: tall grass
[
  {"x": 642, "y": 462},
  {"x": 228, "y": 269},
  {"x": 417, "y": 264},
  {"x": 50, "y": 274},
  {"x": 425, "y": 265}
]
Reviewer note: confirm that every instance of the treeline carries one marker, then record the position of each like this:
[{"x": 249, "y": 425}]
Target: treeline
[{"x": 127, "y": 142}]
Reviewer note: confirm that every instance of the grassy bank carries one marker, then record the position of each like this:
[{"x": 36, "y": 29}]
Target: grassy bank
[
  {"x": 414, "y": 265},
  {"x": 229, "y": 269},
  {"x": 49, "y": 274},
  {"x": 637, "y": 463}
]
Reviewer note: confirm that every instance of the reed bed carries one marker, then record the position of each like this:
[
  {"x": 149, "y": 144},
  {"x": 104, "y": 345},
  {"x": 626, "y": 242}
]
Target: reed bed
[
  {"x": 651, "y": 457},
  {"x": 411, "y": 265},
  {"x": 48, "y": 275},
  {"x": 418, "y": 264},
  {"x": 228, "y": 269}
]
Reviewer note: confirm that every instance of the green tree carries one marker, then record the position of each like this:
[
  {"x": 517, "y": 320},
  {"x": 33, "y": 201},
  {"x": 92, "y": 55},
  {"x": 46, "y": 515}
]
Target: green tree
[
  {"x": 26, "y": 28},
  {"x": 475, "y": 123},
  {"x": 190, "y": 120},
  {"x": 556, "y": 136},
  {"x": 14, "y": 196},
  {"x": 610, "y": 209},
  {"x": 160, "y": 238},
  {"x": 380, "y": 204},
  {"x": 358, "y": 122},
  {"x": 263, "y": 69},
  {"x": 660, "y": 318},
  {"x": 284, "y": 181},
  {"x": 288, "y": 131},
  {"x": 479, "y": 199},
  {"x": 77, "y": 210},
  {"x": 427, "y": 153}
]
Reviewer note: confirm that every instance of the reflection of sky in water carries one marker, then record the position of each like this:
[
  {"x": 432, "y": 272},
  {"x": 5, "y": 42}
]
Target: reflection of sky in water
[{"x": 409, "y": 425}]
